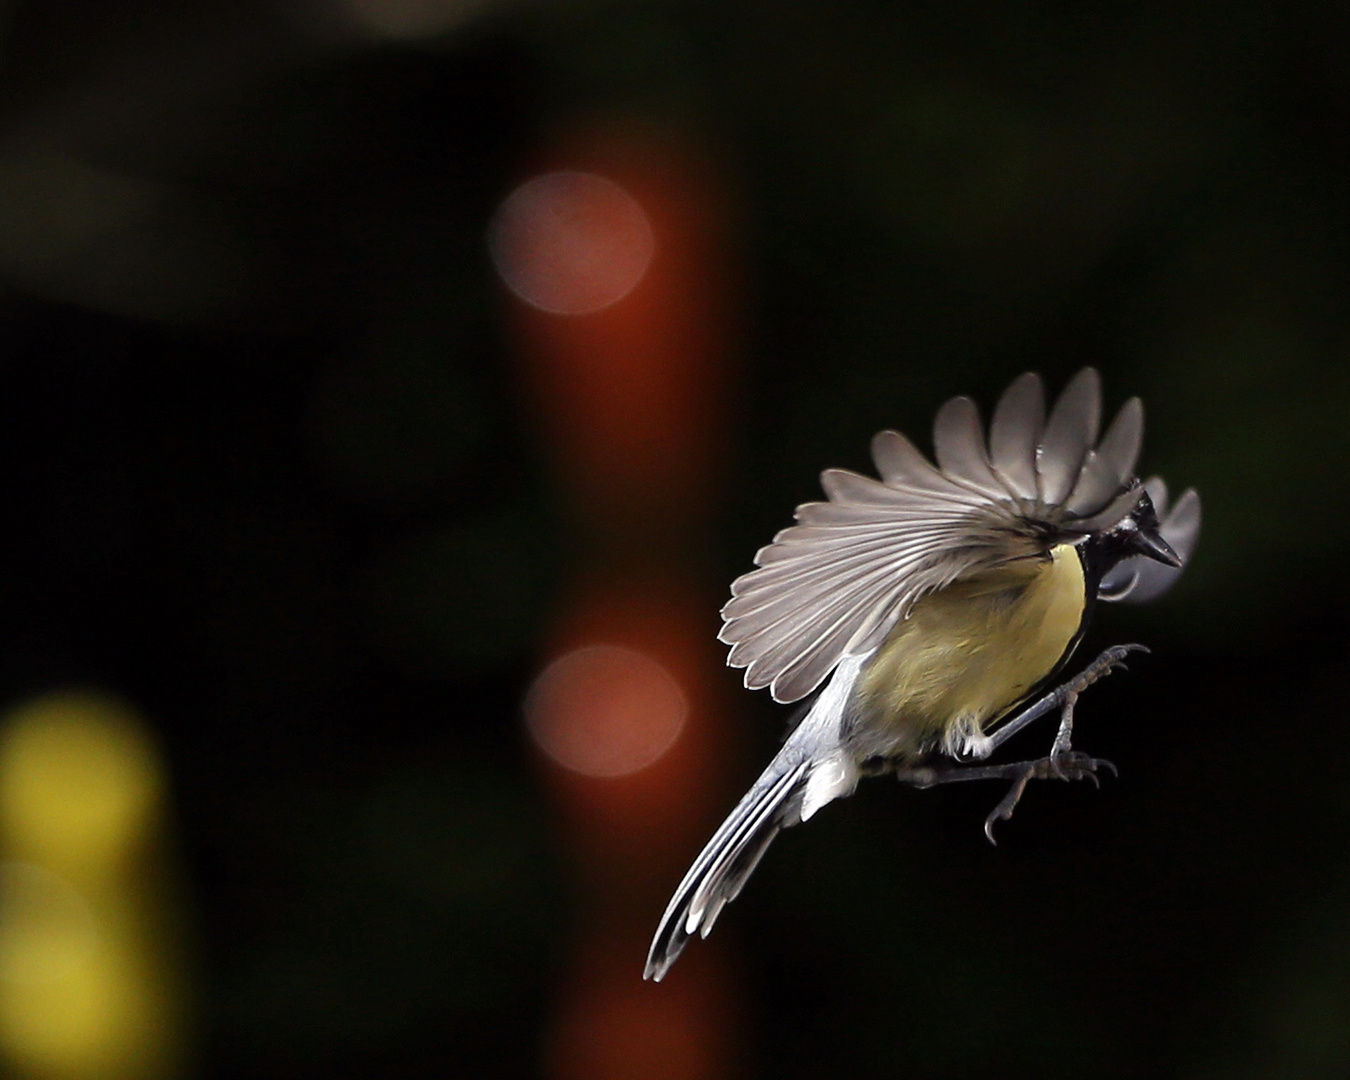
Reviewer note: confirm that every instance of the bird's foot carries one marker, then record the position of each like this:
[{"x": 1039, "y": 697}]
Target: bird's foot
[
  {"x": 1110, "y": 660},
  {"x": 1063, "y": 697},
  {"x": 1060, "y": 765}
]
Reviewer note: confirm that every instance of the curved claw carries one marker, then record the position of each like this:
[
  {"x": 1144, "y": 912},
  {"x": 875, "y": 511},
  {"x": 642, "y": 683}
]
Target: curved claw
[
  {"x": 1001, "y": 812},
  {"x": 1117, "y": 653},
  {"x": 1067, "y": 765},
  {"x": 1004, "y": 810}
]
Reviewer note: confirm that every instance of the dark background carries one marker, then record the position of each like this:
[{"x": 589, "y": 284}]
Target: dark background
[{"x": 266, "y": 472}]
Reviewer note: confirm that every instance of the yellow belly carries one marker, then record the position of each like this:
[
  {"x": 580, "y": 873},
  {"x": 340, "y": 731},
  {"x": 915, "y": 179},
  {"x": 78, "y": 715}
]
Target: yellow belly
[{"x": 969, "y": 653}]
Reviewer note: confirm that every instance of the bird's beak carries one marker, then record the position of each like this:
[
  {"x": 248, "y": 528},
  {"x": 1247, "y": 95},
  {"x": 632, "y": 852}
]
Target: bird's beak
[{"x": 1149, "y": 542}]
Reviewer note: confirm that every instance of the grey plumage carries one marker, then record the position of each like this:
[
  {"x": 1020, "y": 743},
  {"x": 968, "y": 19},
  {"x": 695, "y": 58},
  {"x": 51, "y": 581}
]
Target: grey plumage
[
  {"x": 1109, "y": 462},
  {"x": 777, "y": 800},
  {"x": 1070, "y": 433},
  {"x": 720, "y": 872},
  {"x": 835, "y": 583},
  {"x": 830, "y": 589},
  {"x": 1014, "y": 434}
]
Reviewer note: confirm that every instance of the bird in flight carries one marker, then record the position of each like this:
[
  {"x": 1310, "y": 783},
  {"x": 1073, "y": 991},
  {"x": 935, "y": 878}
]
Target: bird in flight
[{"x": 922, "y": 609}]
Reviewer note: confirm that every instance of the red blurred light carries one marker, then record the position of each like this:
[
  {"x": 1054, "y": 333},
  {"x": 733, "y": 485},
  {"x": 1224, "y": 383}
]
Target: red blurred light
[
  {"x": 613, "y": 254},
  {"x": 571, "y": 243},
  {"x": 604, "y": 710}
]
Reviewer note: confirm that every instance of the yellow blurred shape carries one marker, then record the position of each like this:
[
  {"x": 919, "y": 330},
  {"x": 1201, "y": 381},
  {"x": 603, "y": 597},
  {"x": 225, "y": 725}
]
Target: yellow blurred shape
[
  {"x": 78, "y": 782},
  {"x": 46, "y": 930},
  {"x": 89, "y": 986}
]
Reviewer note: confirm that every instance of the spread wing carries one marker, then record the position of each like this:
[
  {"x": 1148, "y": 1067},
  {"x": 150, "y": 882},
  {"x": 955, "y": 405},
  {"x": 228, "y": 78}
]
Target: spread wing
[
  {"x": 1138, "y": 579},
  {"x": 834, "y": 584}
]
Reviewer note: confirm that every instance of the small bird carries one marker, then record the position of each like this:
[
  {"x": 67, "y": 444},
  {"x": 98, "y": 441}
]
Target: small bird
[{"x": 926, "y": 606}]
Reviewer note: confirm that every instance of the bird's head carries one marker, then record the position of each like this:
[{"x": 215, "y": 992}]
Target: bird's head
[{"x": 1137, "y": 533}]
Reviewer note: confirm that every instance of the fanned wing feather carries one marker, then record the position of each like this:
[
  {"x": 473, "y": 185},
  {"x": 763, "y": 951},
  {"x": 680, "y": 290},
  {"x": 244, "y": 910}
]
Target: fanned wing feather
[
  {"x": 834, "y": 584},
  {"x": 958, "y": 445},
  {"x": 1110, "y": 467},
  {"x": 1068, "y": 436},
  {"x": 1097, "y": 484},
  {"x": 1014, "y": 434},
  {"x": 1123, "y": 439},
  {"x": 823, "y": 589},
  {"x": 902, "y": 465}
]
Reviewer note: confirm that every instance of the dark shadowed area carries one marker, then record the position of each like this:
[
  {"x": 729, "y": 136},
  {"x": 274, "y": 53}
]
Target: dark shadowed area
[{"x": 292, "y": 499}]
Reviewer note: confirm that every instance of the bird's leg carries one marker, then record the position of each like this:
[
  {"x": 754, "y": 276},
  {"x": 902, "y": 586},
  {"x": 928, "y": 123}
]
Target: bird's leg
[
  {"x": 1064, "y": 736},
  {"x": 1062, "y": 763},
  {"x": 1069, "y": 765},
  {"x": 1063, "y": 697}
]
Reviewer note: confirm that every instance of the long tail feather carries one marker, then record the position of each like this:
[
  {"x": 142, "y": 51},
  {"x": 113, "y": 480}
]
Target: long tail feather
[
  {"x": 727, "y": 860},
  {"x": 810, "y": 770}
]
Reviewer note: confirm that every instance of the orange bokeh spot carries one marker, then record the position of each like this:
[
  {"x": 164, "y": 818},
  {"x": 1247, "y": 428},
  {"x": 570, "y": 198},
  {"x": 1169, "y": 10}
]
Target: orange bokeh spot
[
  {"x": 629, "y": 394},
  {"x": 605, "y": 710},
  {"x": 571, "y": 243}
]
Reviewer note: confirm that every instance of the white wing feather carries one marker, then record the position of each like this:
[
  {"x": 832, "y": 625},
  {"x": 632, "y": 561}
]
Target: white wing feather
[{"x": 834, "y": 584}]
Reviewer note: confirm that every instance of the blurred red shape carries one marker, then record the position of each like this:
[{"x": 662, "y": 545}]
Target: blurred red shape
[
  {"x": 605, "y": 710},
  {"x": 675, "y": 1031},
  {"x": 571, "y": 243},
  {"x": 629, "y": 394}
]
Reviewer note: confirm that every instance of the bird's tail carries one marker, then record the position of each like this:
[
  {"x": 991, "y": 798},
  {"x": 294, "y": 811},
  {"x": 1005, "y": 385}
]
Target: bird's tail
[
  {"x": 726, "y": 862},
  {"x": 810, "y": 770}
]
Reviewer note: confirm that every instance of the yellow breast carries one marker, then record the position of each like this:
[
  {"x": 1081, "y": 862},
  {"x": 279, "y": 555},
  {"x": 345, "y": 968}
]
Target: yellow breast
[{"x": 970, "y": 652}]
